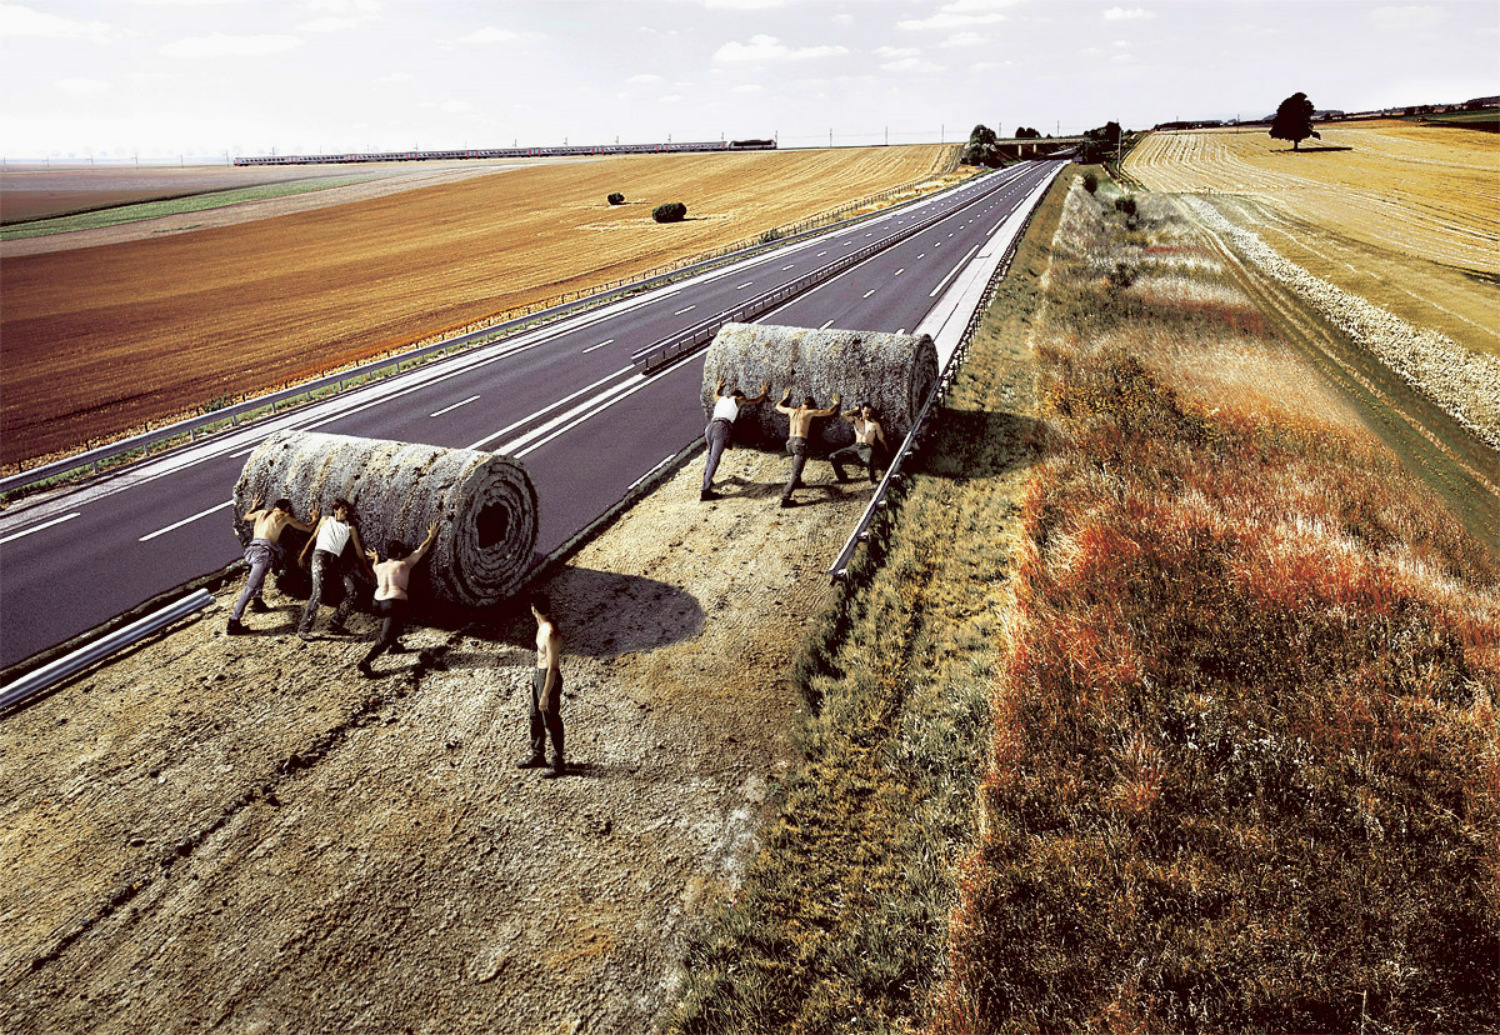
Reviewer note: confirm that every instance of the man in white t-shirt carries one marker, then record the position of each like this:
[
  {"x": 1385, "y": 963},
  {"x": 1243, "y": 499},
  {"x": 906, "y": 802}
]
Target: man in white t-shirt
[
  {"x": 327, "y": 544},
  {"x": 720, "y": 426}
]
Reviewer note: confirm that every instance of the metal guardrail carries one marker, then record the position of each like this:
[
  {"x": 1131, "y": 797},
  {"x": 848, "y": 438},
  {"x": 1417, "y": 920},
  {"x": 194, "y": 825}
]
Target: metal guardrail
[
  {"x": 36, "y": 681},
  {"x": 334, "y": 384},
  {"x": 880, "y": 500},
  {"x": 657, "y": 354}
]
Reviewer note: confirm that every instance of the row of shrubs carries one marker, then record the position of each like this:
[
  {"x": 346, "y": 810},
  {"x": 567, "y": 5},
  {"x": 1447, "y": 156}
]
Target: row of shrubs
[{"x": 671, "y": 212}]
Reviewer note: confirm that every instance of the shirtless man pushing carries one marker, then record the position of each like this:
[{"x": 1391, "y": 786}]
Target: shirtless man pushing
[
  {"x": 546, "y": 691},
  {"x": 263, "y": 552},
  {"x": 392, "y": 576},
  {"x": 801, "y": 418}
]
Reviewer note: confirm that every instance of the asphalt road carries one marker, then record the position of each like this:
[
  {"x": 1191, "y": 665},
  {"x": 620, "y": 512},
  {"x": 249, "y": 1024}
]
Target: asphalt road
[{"x": 566, "y": 400}]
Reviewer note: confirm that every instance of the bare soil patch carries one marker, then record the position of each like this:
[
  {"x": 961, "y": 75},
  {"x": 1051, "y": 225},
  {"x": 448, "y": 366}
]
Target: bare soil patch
[
  {"x": 241, "y": 834},
  {"x": 263, "y": 303}
]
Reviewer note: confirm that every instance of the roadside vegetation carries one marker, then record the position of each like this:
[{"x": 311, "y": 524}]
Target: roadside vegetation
[
  {"x": 841, "y": 923},
  {"x": 1244, "y": 754},
  {"x": 117, "y": 214}
]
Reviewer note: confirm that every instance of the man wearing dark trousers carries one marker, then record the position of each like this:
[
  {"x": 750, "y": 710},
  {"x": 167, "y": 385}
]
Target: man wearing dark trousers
[
  {"x": 392, "y": 578},
  {"x": 800, "y": 420},
  {"x": 546, "y": 692},
  {"x": 721, "y": 426}
]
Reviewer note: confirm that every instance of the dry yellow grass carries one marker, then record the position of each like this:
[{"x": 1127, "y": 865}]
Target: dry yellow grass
[{"x": 1408, "y": 218}]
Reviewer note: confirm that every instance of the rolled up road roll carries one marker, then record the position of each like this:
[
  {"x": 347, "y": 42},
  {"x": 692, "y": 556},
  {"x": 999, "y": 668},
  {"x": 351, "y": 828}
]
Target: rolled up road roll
[
  {"x": 892, "y": 372},
  {"x": 485, "y": 505}
]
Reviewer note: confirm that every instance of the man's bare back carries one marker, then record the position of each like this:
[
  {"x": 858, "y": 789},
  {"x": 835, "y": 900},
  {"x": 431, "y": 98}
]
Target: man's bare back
[{"x": 269, "y": 524}]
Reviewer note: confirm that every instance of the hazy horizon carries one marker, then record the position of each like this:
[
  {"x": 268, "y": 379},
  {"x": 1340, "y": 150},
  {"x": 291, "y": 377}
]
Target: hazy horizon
[{"x": 115, "y": 79}]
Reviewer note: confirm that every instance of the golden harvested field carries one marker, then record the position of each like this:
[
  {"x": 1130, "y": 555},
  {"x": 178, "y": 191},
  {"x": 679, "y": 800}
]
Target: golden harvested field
[
  {"x": 1408, "y": 218},
  {"x": 96, "y": 341}
]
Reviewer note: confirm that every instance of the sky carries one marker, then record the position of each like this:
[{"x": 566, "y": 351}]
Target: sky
[{"x": 120, "y": 79}]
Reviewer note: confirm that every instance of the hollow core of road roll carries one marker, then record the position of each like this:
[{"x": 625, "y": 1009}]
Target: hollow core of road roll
[{"x": 491, "y": 525}]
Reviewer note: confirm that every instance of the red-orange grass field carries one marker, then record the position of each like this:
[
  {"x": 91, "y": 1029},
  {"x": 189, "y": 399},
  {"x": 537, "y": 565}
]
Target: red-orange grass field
[{"x": 1245, "y": 774}]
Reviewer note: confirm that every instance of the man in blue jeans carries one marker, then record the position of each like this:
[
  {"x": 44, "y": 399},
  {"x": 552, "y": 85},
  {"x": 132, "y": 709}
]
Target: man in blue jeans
[
  {"x": 264, "y": 552},
  {"x": 720, "y": 426},
  {"x": 546, "y": 692}
]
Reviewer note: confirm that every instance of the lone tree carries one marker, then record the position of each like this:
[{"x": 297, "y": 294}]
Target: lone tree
[
  {"x": 1293, "y": 120},
  {"x": 982, "y": 149},
  {"x": 616, "y": 198}
]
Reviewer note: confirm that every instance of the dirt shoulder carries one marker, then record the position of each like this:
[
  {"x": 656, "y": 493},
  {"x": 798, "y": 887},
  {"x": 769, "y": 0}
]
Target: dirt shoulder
[{"x": 242, "y": 835}]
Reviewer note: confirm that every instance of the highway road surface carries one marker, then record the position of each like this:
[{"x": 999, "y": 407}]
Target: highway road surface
[{"x": 565, "y": 399}]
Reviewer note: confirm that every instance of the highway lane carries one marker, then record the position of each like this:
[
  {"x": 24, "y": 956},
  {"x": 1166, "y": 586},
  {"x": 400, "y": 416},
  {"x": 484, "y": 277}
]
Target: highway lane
[{"x": 566, "y": 399}]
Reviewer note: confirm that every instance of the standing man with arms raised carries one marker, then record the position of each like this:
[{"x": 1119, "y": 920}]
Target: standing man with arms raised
[
  {"x": 264, "y": 552},
  {"x": 392, "y": 577},
  {"x": 720, "y": 426},
  {"x": 546, "y": 691},
  {"x": 801, "y": 418}
]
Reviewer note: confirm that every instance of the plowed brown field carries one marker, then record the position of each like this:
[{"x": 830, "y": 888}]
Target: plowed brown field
[
  {"x": 1408, "y": 219},
  {"x": 99, "y": 340}
]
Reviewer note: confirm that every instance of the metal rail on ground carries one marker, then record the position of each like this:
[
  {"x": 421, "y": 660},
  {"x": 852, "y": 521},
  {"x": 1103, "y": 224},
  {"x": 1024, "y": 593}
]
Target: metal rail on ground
[
  {"x": 37, "y": 680},
  {"x": 333, "y": 384}
]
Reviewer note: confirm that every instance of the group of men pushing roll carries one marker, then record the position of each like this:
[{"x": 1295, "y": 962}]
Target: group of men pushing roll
[{"x": 869, "y": 437}]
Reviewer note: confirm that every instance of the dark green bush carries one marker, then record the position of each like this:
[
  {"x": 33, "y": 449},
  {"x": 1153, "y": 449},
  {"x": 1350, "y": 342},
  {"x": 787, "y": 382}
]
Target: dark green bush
[
  {"x": 1090, "y": 182},
  {"x": 1125, "y": 204},
  {"x": 616, "y": 198},
  {"x": 671, "y": 212}
]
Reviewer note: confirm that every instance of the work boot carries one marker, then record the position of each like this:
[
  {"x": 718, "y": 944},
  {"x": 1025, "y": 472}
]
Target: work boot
[
  {"x": 339, "y": 629},
  {"x": 304, "y": 636},
  {"x": 559, "y": 768},
  {"x": 234, "y": 628},
  {"x": 839, "y": 476},
  {"x": 707, "y": 494},
  {"x": 259, "y": 606},
  {"x": 532, "y": 762},
  {"x": 365, "y": 670}
]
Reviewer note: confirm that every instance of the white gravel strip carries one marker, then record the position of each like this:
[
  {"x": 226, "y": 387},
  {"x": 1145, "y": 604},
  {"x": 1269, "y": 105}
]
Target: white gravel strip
[{"x": 1465, "y": 384}]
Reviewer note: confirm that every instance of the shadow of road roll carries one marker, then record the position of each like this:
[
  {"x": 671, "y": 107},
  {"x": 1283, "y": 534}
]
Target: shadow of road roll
[{"x": 485, "y": 506}]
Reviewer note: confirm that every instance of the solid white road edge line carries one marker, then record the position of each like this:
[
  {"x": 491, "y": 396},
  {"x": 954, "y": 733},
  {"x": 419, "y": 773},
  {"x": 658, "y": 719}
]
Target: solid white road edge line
[
  {"x": 952, "y": 273},
  {"x": 545, "y": 409}
]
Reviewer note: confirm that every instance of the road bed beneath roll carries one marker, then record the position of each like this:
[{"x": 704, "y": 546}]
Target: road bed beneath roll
[{"x": 240, "y": 834}]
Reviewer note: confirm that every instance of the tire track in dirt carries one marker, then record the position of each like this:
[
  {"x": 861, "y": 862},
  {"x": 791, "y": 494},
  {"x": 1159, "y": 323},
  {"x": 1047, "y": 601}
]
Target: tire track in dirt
[{"x": 1428, "y": 441}]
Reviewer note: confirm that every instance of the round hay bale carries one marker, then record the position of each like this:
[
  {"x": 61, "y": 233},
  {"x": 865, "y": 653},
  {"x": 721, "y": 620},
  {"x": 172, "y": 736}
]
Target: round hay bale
[
  {"x": 485, "y": 505},
  {"x": 892, "y": 372}
]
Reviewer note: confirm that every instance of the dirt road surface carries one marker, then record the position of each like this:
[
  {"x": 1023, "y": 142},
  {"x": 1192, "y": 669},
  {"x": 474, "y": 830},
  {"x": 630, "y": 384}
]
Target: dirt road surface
[{"x": 240, "y": 835}]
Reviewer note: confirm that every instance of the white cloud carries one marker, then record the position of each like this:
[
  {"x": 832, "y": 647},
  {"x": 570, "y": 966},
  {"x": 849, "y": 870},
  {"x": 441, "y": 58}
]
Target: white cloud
[
  {"x": 1120, "y": 44},
  {"x": 897, "y": 52},
  {"x": 646, "y": 77},
  {"x": 396, "y": 77},
  {"x": 1406, "y": 17},
  {"x": 949, "y": 20},
  {"x": 769, "y": 48},
  {"x": 1130, "y": 14},
  {"x": 455, "y": 107},
  {"x": 842, "y": 19},
  {"x": 220, "y": 45},
  {"x": 83, "y": 87},
  {"x": 743, "y": 5},
  {"x": 337, "y": 7},
  {"x": 190, "y": 3},
  {"x": 1089, "y": 52},
  {"x": 964, "y": 39},
  {"x": 912, "y": 64},
  {"x": 747, "y": 88},
  {"x": 490, "y": 34},
  {"x": 331, "y": 24},
  {"x": 671, "y": 98},
  {"x": 18, "y": 21}
]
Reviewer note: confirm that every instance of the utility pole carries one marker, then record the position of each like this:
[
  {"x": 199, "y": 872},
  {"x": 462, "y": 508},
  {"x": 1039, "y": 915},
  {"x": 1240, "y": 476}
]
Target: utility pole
[
  {"x": 830, "y": 136},
  {"x": 888, "y": 136}
]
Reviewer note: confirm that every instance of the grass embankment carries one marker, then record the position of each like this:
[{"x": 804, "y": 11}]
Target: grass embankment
[
  {"x": 840, "y": 924},
  {"x": 117, "y": 214},
  {"x": 1245, "y": 772}
]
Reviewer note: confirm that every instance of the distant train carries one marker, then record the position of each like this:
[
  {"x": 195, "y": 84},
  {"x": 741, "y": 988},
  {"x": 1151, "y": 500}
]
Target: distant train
[{"x": 509, "y": 152}]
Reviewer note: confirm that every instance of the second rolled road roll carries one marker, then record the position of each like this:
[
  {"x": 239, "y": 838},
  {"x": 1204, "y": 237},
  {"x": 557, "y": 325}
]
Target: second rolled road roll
[
  {"x": 485, "y": 505},
  {"x": 892, "y": 372}
]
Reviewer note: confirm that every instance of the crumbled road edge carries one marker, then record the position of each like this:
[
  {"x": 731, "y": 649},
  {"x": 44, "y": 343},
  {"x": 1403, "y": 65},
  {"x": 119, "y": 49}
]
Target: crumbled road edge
[{"x": 240, "y": 834}]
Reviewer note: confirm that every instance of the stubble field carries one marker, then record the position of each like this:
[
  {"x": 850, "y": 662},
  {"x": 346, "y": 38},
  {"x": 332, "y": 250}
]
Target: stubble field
[
  {"x": 97, "y": 341},
  {"x": 1408, "y": 218}
]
